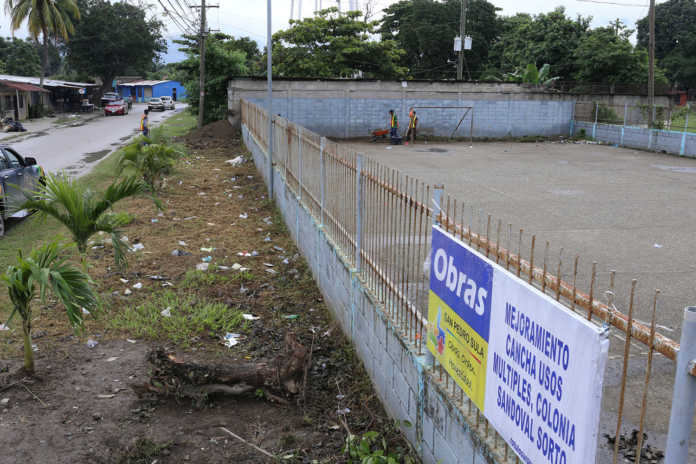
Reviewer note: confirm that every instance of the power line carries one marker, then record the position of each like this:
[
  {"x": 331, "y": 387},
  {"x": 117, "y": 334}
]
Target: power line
[{"x": 603, "y": 2}]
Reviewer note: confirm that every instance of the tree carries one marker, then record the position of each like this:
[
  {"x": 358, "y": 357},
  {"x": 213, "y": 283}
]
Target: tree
[
  {"x": 83, "y": 211},
  {"x": 20, "y": 57},
  {"x": 45, "y": 18},
  {"x": 544, "y": 38},
  {"x": 426, "y": 31},
  {"x": 675, "y": 39},
  {"x": 42, "y": 271},
  {"x": 221, "y": 62},
  {"x": 606, "y": 55},
  {"x": 332, "y": 45},
  {"x": 532, "y": 75},
  {"x": 148, "y": 160},
  {"x": 113, "y": 39}
]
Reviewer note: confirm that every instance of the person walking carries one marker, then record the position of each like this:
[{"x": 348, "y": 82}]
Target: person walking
[
  {"x": 412, "y": 126},
  {"x": 145, "y": 123},
  {"x": 393, "y": 124}
]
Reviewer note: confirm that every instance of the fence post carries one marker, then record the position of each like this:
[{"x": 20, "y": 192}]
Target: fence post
[
  {"x": 358, "y": 212},
  {"x": 572, "y": 119},
  {"x": 299, "y": 162},
  {"x": 322, "y": 178},
  {"x": 596, "y": 114},
  {"x": 271, "y": 139},
  {"x": 684, "y": 397},
  {"x": 686, "y": 127},
  {"x": 623, "y": 128}
]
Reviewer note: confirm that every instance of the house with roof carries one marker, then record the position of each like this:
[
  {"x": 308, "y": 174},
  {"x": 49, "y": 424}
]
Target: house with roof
[
  {"x": 142, "y": 91},
  {"x": 18, "y": 94}
]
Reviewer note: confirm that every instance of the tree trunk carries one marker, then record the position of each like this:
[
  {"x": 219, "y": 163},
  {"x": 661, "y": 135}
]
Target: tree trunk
[
  {"x": 28, "y": 351},
  {"x": 171, "y": 377},
  {"x": 44, "y": 60}
]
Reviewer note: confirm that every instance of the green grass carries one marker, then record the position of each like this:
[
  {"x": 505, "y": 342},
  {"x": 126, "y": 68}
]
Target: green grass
[
  {"x": 189, "y": 318},
  {"x": 33, "y": 230},
  {"x": 197, "y": 279}
]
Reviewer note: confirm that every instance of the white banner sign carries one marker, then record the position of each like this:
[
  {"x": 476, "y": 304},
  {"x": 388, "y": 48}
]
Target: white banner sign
[{"x": 535, "y": 368}]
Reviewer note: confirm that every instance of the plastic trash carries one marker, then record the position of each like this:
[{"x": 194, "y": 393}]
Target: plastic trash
[
  {"x": 243, "y": 253},
  {"x": 85, "y": 312},
  {"x": 271, "y": 271},
  {"x": 207, "y": 250},
  {"x": 286, "y": 261},
  {"x": 290, "y": 316},
  {"x": 112, "y": 359},
  {"x": 277, "y": 248},
  {"x": 223, "y": 268},
  {"x": 190, "y": 218},
  {"x": 3, "y": 327},
  {"x": 4, "y": 401},
  {"x": 207, "y": 259},
  {"x": 250, "y": 317},
  {"x": 124, "y": 239},
  {"x": 127, "y": 291},
  {"x": 180, "y": 253},
  {"x": 201, "y": 194},
  {"x": 657, "y": 245},
  {"x": 202, "y": 266},
  {"x": 268, "y": 265},
  {"x": 137, "y": 247},
  {"x": 243, "y": 290},
  {"x": 254, "y": 253},
  {"x": 235, "y": 161},
  {"x": 167, "y": 312},
  {"x": 182, "y": 243},
  {"x": 154, "y": 221},
  {"x": 231, "y": 339},
  {"x": 155, "y": 277},
  {"x": 244, "y": 215},
  {"x": 236, "y": 266},
  {"x": 129, "y": 340},
  {"x": 92, "y": 343},
  {"x": 138, "y": 286},
  {"x": 167, "y": 284},
  {"x": 389, "y": 148},
  {"x": 267, "y": 239}
]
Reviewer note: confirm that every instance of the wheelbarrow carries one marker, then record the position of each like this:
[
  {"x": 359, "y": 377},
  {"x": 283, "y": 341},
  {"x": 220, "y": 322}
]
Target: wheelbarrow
[{"x": 379, "y": 134}]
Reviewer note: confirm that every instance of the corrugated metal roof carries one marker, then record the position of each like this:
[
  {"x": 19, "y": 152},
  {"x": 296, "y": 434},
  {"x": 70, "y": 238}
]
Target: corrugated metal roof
[
  {"x": 143, "y": 83},
  {"x": 47, "y": 82},
  {"x": 23, "y": 86}
]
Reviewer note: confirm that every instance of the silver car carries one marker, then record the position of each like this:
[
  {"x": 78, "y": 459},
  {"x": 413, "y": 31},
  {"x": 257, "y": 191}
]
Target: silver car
[
  {"x": 168, "y": 103},
  {"x": 155, "y": 103}
]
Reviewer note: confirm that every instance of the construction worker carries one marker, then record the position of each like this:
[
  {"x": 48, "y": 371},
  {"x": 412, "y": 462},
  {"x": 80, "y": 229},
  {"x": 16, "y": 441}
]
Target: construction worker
[
  {"x": 412, "y": 126},
  {"x": 145, "y": 123},
  {"x": 393, "y": 124}
]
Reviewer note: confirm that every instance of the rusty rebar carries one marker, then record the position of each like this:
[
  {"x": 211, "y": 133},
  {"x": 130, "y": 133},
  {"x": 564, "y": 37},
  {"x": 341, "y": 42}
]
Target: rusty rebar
[
  {"x": 592, "y": 285},
  {"x": 627, "y": 351},
  {"x": 558, "y": 275},
  {"x": 531, "y": 261},
  {"x": 543, "y": 276},
  {"x": 648, "y": 370},
  {"x": 575, "y": 279},
  {"x": 519, "y": 254}
]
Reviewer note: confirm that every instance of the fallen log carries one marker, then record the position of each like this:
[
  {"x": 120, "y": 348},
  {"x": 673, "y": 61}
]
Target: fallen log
[{"x": 172, "y": 377}]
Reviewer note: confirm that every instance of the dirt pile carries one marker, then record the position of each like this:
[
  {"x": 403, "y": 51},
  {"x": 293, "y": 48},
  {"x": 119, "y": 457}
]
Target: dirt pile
[{"x": 218, "y": 134}]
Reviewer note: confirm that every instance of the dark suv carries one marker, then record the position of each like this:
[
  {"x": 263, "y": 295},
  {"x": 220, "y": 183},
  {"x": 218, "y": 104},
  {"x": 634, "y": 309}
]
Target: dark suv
[{"x": 17, "y": 175}]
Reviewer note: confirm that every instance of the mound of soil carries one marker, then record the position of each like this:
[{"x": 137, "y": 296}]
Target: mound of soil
[{"x": 218, "y": 134}]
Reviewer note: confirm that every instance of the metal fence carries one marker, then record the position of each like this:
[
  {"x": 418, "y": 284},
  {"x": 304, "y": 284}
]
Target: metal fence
[
  {"x": 672, "y": 118},
  {"x": 381, "y": 221}
]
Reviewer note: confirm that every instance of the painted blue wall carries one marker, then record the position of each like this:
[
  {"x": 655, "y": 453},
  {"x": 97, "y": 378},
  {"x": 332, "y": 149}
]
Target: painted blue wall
[{"x": 159, "y": 90}]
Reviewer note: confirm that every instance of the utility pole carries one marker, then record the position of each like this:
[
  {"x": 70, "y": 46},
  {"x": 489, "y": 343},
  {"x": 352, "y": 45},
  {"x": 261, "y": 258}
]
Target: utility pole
[
  {"x": 651, "y": 66},
  {"x": 462, "y": 31},
  {"x": 269, "y": 78},
  {"x": 201, "y": 42}
]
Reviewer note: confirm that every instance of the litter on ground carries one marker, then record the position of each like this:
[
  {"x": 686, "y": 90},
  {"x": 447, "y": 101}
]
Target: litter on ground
[
  {"x": 231, "y": 339},
  {"x": 202, "y": 266},
  {"x": 250, "y": 317},
  {"x": 167, "y": 312},
  {"x": 235, "y": 161}
]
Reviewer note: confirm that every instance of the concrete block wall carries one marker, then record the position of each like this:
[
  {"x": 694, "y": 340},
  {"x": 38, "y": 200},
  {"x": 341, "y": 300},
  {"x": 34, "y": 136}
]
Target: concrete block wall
[
  {"x": 431, "y": 419},
  {"x": 676, "y": 143},
  {"x": 356, "y": 116}
]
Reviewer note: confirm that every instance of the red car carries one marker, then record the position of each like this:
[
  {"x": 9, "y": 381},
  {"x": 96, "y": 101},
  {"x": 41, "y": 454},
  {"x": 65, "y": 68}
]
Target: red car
[{"x": 116, "y": 107}]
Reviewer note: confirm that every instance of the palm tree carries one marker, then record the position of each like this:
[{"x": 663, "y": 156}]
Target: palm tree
[
  {"x": 83, "y": 211},
  {"x": 42, "y": 271},
  {"x": 149, "y": 160},
  {"x": 46, "y": 18}
]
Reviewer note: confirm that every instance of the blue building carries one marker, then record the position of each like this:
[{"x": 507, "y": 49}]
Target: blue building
[{"x": 142, "y": 91}]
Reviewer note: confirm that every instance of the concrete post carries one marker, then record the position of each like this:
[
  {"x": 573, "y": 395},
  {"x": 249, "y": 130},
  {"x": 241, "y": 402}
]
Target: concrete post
[
  {"x": 322, "y": 178},
  {"x": 623, "y": 128},
  {"x": 358, "y": 212},
  {"x": 269, "y": 101},
  {"x": 299, "y": 162},
  {"x": 625, "y": 113},
  {"x": 682, "y": 150},
  {"x": 438, "y": 192},
  {"x": 596, "y": 115},
  {"x": 684, "y": 397}
]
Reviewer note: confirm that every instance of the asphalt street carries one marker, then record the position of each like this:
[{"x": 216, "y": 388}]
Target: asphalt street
[{"x": 76, "y": 148}]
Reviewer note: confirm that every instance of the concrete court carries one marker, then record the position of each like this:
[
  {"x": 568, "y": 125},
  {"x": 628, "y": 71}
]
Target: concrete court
[{"x": 631, "y": 211}]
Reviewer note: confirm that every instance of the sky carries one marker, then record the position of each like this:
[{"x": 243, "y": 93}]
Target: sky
[{"x": 248, "y": 17}]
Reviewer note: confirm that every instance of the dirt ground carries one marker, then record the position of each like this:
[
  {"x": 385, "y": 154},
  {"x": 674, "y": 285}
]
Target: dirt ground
[{"x": 80, "y": 407}]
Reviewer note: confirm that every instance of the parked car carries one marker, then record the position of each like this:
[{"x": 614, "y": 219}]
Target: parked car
[
  {"x": 18, "y": 174},
  {"x": 168, "y": 103},
  {"x": 155, "y": 103},
  {"x": 108, "y": 97},
  {"x": 116, "y": 107}
]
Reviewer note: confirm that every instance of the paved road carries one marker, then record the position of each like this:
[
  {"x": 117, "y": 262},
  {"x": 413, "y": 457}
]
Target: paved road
[{"x": 77, "y": 149}]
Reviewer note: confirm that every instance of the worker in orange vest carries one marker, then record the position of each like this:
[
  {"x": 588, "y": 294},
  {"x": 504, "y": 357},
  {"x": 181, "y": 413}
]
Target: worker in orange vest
[{"x": 412, "y": 125}]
